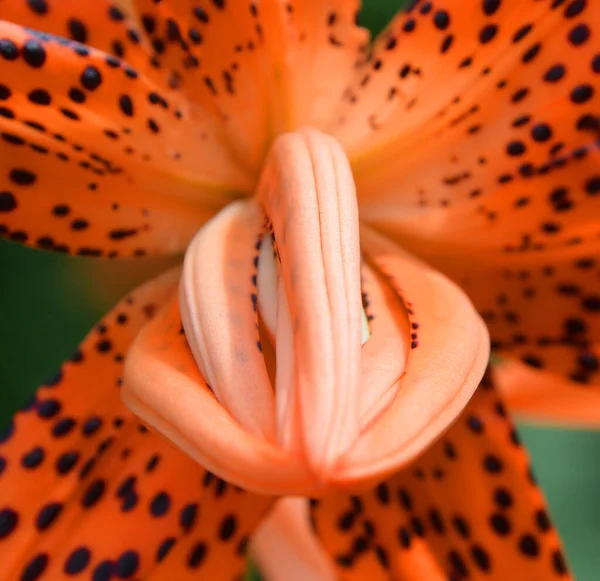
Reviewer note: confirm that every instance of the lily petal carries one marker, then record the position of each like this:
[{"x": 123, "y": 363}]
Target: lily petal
[
  {"x": 219, "y": 310},
  {"x": 313, "y": 49},
  {"x": 285, "y": 547},
  {"x": 445, "y": 83},
  {"x": 163, "y": 385},
  {"x": 308, "y": 193},
  {"x": 448, "y": 356},
  {"x": 86, "y": 489},
  {"x": 385, "y": 353},
  {"x": 494, "y": 180},
  {"x": 95, "y": 158},
  {"x": 212, "y": 53},
  {"x": 102, "y": 24},
  {"x": 468, "y": 507},
  {"x": 272, "y": 58},
  {"x": 540, "y": 307},
  {"x": 533, "y": 275},
  {"x": 540, "y": 396}
]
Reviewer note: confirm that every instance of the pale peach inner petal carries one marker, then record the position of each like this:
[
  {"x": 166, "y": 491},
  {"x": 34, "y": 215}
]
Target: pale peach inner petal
[
  {"x": 289, "y": 430},
  {"x": 308, "y": 193},
  {"x": 218, "y": 310},
  {"x": 268, "y": 277},
  {"x": 286, "y": 548},
  {"x": 271, "y": 305},
  {"x": 446, "y": 362},
  {"x": 384, "y": 355}
]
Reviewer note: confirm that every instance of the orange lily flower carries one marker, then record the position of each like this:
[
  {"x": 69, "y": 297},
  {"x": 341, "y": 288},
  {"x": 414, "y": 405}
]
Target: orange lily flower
[{"x": 306, "y": 347}]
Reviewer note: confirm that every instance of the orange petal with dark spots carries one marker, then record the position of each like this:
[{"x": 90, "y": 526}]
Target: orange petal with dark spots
[
  {"x": 86, "y": 489},
  {"x": 96, "y": 158},
  {"x": 540, "y": 304},
  {"x": 103, "y": 24},
  {"x": 313, "y": 48},
  {"x": 55, "y": 454},
  {"x": 287, "y": 63},
  {"x": 468, "y": 507},
  {"x": 444, "y": 85},
  {"x": 214, "y": 54},
  {"x": 494, "y": 179}
]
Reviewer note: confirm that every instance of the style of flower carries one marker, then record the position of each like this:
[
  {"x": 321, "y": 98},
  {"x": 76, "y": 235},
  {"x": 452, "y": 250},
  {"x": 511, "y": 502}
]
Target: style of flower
[{"x": 306, "y": 347}]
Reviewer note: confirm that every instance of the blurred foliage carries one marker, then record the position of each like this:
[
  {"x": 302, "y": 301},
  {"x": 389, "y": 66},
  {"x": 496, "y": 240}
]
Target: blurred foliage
[{"x": 48, "y": 302}]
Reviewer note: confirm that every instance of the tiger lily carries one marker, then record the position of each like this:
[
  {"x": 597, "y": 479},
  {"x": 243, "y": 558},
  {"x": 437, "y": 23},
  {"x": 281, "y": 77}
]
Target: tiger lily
[{"x": 347, "y": 213}]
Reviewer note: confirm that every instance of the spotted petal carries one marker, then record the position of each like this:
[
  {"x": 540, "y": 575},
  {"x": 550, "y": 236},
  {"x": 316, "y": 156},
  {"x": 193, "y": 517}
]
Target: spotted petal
[
  {"x": 103, "y": 24},
  {"x": 287, "y": 63},
  {"x": 494, "y": 178},
  {"x": 533, "y": 273},
  {"x": 86, "y": 489},
  {"x": 468, "y": 508},
  {"x": 95, "y": 158},
  {"x": 445, "y": 81}
]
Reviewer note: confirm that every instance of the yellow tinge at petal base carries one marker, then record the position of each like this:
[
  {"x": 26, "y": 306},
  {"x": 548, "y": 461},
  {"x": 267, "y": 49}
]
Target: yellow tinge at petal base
[{"x": 322, "y": 412}]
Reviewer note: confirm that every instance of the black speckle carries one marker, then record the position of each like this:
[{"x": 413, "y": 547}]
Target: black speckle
[
  {"x": 159, "y": 506},
  {"x": 91, "y": 78},
  {"x": 78, "y": 560},
  {"x": 35, "y": 568},
  {"x": 47, "y": 515},
  {"x": 127, "y": 564},
  {"x": 33, "y": 53}
]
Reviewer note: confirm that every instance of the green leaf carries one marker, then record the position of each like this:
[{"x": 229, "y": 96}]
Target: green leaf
[{"x": 377, "y": 13}]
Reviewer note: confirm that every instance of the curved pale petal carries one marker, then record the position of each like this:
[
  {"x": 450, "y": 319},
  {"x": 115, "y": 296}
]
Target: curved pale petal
[
  {"x": 384, "y": 355},
  {"x": 447, "y": 359},
  {"x": 344, "y": 416},
  {"x": 467, "y": 508},
  {"x": 267, "y": 286},
  {"x": 285, "y": 547},
  {"x": 308, "y": 194},
  {"x": 87, "y": 490},
  {"x": 95, "y": 158},
  {"x": 289, "y": 422},
  {"x": 164, "y": 386},
  {"x": 218, "y": 297},
  {"x": 539, "y": 396}
]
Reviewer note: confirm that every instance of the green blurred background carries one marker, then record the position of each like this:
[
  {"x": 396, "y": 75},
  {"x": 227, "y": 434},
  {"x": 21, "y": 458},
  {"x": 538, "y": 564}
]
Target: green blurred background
[{"x": 48, "y": 302}]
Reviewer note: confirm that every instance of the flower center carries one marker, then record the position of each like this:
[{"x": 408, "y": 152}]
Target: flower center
[
  {"x": 272, "y": 387},
  {"x": 307, "y": 300}
]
